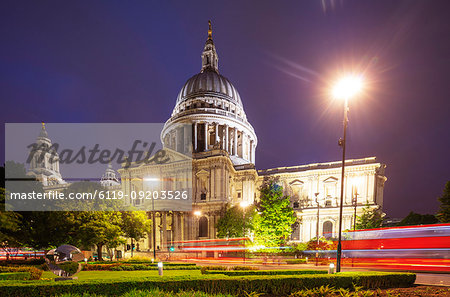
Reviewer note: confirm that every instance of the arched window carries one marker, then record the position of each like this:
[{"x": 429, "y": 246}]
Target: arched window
[
  {"x": 327, "y": 229},
  {"x": 203, "y": 227}
]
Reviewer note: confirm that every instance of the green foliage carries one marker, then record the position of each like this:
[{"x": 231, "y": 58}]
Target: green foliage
[
  {"x": 204, "y": 269},
  {"x": 417, "y": 219},
  {"x": 14, "y": 276},
  {"x": 154, "y": 293},
  {"x": 34, "y": 272},
  {"x": 99, "y": 228},
  {"x": 274, "y": 224},
  {"x": 9, "y": 225},
  {"x": 135, "y": 266},
  {"x": 274, "y": 285},
  {"x": 244, "y": 268},
  {"x": 295, "y": 261},
  {"x": 70, "y": 267},
  {"x": 231, "y": 224},
  {"x": 371, "y": 218},
  {"x": 444, "y": 209},
  {"x": 135, "y": 224}
]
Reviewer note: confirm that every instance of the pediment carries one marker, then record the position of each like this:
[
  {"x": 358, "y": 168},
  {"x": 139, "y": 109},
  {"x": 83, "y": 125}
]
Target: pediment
[
  {"x": 202, "y": 173},
  {"x": 296, "y": 183},
  {"x": 331, "y": 179}
]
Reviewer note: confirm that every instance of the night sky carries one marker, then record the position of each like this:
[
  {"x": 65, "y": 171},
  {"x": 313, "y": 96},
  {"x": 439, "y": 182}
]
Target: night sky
[{"x": 125, "y": 61}]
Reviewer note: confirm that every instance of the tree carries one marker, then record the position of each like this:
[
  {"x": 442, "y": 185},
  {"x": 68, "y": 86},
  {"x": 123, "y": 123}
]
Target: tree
[
  {"x": 371, "y": 218},
  {"x": 135, "y": 225},
  {"x": 231, "y": 224},
  {"x": 417, "y": 219},
  {"x": 444, "y": 209},
  {"x": 9, "y": 225},
  {"x": 274, "y": 224},
  {"x": 99, "y": 228}
]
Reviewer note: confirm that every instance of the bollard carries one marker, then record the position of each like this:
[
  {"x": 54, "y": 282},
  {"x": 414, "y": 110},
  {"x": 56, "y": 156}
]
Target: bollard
[
  {"x": 331, "y": 268},
  {"x": 160, "y": 268}
]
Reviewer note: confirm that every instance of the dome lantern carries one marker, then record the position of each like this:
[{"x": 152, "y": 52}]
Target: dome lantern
[{"x": 210, "y": 60}]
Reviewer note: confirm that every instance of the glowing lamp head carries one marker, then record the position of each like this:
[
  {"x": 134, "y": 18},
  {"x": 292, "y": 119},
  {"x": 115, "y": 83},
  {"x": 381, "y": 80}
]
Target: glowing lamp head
[
  {"x": 347, "y": 87},
  {"x": 197, "y": 213}
]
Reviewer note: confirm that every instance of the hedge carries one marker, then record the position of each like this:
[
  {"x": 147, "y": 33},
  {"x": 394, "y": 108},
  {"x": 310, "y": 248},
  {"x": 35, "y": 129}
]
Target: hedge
[
  {"x": 132, "y": 267},
  {"x": 14, "y": 275},
  {"x": 35, "y": 273},
  {"x": 295, "y": 261},
  {"x": 213, "y": 284},
  {"x": 265, "y": 272},
  {"x": 139, "y": 262},
  {"x": 28, "y": 262}
]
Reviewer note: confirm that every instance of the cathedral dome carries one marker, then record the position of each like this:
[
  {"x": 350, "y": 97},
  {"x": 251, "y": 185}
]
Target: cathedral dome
[
  {"x": 209, "y": 83},
  {"x": 210, "y": 105}
]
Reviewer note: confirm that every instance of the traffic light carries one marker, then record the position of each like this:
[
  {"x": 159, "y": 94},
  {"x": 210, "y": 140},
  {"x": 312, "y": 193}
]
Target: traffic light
[
  {"x": 172, "y": 249},
  {"x": 128, "y": 247},
  {"x": 132, "y": 246}
]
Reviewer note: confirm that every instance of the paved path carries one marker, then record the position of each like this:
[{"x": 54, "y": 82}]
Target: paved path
[{"x": 433, "y": 279}]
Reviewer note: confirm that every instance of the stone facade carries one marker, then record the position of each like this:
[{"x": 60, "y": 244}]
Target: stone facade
[
  {"x": 223, "y": 144},
  {"x": 219, "y": 145}
]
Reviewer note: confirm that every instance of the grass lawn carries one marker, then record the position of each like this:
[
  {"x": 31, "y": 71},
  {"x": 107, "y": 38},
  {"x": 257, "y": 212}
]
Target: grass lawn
[{"x": 121, "y": 275}]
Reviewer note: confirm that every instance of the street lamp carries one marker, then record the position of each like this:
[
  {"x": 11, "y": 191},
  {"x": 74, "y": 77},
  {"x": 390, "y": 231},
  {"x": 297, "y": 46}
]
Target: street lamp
[
  {"x": 153, "y": 180},
  {"x": 355, "y": 204},
  {"x": 244, "y": 205},
  {"x": 317, "y": 227},
  {"x": 198, "y": 214},
  {"x": 345, "y": 89}
]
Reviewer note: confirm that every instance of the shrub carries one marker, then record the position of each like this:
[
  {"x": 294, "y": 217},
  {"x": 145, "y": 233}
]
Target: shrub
[
  {"x": 268, "y": 284},
  {"x": 14, "y": 276},
  {"x": 28, "y": 262},
  {"x": 244, "y": 268},
  {"x": 35, "y": 273},
  {"x": 295, "y": 261},
  {"x": 212, "y": 267},
  {"x": 132, "y": 267}
]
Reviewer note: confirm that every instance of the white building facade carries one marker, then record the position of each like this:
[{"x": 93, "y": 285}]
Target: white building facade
[{"x": 221, "y": 145}]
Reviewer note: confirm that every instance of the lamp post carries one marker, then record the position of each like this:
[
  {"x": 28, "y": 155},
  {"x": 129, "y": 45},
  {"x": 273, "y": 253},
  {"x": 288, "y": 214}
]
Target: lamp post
[
  {"x": 345, "y": 89},
  {"x": 317, "y": 227},
  {"x": 244, "y": 206},
  {"x": 355, "y": 203},
  {"x": 153, "y": 180},
  {"x": 197, "y": 213},
  {"x": 318, "y": 217}
]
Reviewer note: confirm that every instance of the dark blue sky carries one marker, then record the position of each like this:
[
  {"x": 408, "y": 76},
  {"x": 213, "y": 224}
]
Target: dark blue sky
[{"x": 125, "y": 61}]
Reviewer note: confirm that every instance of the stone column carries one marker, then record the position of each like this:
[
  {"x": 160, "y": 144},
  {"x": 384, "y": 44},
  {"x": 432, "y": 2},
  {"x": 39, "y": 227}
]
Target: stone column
[
  {"x": 235, "y": 142},
  {"x": 195, "y": 136},
  {"x": 217, "y": 132},
  {"x": 211, "y": 225},
  {"x": 187, "y": 143},
  {"x": 227, "y": 145},
  {"x": 164, "y": 230},
  {"x": 206, "y": 136}
]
